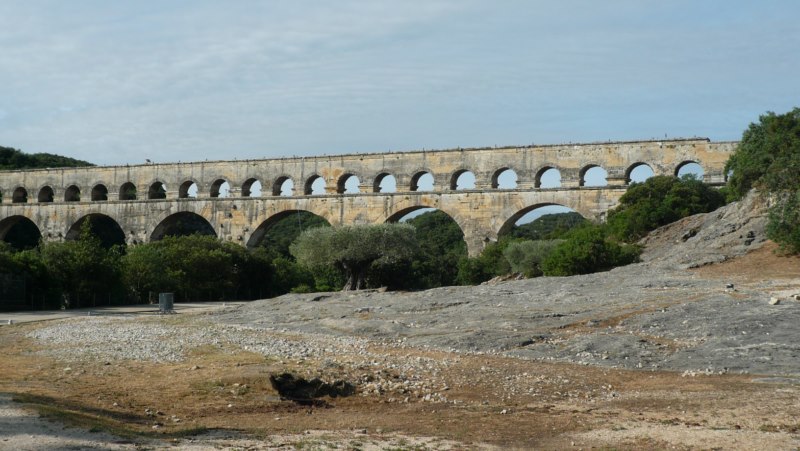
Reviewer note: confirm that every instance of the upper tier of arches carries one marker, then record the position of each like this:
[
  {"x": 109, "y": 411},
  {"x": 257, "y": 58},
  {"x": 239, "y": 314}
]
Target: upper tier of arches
[
  {"x": 547, "y": 176},
  {"x": 520, "y": 168}
]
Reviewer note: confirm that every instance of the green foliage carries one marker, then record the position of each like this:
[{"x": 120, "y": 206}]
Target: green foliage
[
  {"x": 490, "y": 263},
  {"x": 283, "y": 232},
  {"x": 11, "y": 158},
  {"x": 659, "y": 201},
  {"x": 768, "y": 157},
  {"x": 768, "y": 154},
  {"x": 194, "y": 267},
  {"x": 83, "y": 269},
  {"x": 548, "y": 227},
  {"x": 784, "y": 222},
  {"x": 525, "y": 257},
  {"x": 441, "y": 246},
  {"x": 586, "y": 250},
  {"x": 354, "y": 249}
]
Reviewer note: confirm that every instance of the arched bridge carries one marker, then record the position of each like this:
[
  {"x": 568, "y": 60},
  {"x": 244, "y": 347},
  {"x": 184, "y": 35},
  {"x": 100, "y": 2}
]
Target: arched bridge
[{"x": 141, "y": 202}]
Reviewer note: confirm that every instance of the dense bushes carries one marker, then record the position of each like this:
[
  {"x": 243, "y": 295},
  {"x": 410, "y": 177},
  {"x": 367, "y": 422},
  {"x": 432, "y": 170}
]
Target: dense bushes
[
  {"x": 768, "y": 157},
  {"x": 526, "y": 257},
  {"x": 586, "y": 250},
  {"x": 658, "y": 201},
  {"x": 355, "y": 249},
  {"x": 15, "y": 159}
]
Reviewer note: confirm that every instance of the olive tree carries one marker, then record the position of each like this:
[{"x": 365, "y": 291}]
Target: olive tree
[{"x": 354, "y": 249}]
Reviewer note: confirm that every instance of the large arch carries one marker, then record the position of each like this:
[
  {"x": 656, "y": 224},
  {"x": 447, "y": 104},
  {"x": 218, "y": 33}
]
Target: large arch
[
  {"x": 20, "y": 195},
  {"x": 20, "y": 232},
  {"x": 102, "y": 226},
  {"x": 181, "y": 224},
  {"x": 442, "y": 244},
  {"x": 305, "y": 219},
  {"x": 46, "y": 194},
  {"x": 513, "y": 219}
]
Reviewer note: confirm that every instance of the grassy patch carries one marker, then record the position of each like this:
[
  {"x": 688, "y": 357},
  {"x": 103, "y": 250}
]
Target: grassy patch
[{"x": 97, "y": 420}]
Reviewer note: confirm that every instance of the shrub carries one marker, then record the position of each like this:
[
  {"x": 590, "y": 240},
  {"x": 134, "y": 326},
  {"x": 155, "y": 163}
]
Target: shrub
[
  {"x": 526, "y": 257},
  {"x": 658, "y": 201},
  {"x": 586, "y": 250}
]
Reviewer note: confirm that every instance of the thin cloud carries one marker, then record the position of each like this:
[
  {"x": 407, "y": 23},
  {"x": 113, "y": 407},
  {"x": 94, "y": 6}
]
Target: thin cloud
[{"x": 113, "y": 82}]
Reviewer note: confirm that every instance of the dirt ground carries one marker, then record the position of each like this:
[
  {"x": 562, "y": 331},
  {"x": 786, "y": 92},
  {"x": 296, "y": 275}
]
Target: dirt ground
[{"x": 222, "y": 399}]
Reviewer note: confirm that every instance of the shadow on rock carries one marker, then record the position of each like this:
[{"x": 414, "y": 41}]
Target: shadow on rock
[{"x": 306, "y": 392}]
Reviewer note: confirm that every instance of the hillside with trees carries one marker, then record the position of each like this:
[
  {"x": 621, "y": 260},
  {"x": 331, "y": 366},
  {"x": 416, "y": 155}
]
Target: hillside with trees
[{"x": 11, "y": 158}]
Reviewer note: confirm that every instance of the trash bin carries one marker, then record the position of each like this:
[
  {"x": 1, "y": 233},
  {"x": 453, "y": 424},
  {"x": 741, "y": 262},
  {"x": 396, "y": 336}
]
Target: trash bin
[{"x": 165, "y": 302}]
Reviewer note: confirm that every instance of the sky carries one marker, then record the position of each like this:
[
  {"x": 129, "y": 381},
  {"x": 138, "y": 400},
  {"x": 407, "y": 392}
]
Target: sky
[{"x": 116, "y": 82}]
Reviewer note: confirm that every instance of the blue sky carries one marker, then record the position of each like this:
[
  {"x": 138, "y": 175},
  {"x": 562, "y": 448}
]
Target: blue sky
[{"x": 118, "y": 82}]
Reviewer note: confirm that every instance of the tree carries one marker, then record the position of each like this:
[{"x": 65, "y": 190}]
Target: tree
[
  {"x": 768, "y": 154},
  {"x": 586, "y": 250},
  {"x": 525, "y": 257},
  {"x": 548, "y": 227},
  {"x": 441, "y": 246},
  {"x": 83, "y": 269},
  {"x": 354, "y": 249},
  {"x": 658, "y": 201},
  {"x": 768, "y": 157},
  {"x": 11, "y": 158}
]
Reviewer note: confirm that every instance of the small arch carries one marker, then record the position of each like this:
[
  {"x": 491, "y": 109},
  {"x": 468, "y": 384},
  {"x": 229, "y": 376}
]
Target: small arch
[
  {"x": 72, "y": 194},
  {"x": 422, "y": 181},
  {"x": 181, "y": 224},
  {"x": 314, "y": 185},
  {"x": 384, "y": 183},
  {"x": 188, "y": 189},
  {"x": 348, "y": 184},
  {"x": 548, "y": 177},
  {"x": 46, "y": 194},
  {"x": 638, "y": 172},
  {"x": 593, "y": 175},
  {"x": 532, "y": 213},
  {"x": 296, "y": 222},
  {"x": 20, "y": 232},
  {"x": 690, "y": 167},
  {"x": 99, "y": 192},
  {"x": 462, "y": 179},
  {"x": 127, "y": 191},
  {"x": 102, "y": 226},
  {"x": 504, "y": 178},
  {"x": 19, "y": 196},
  {"x": 157, "y": 191},
  {"x": 220, "y": 188},
  {"x": 251, "y": 188},
  {"x": 283, "y": 186}
]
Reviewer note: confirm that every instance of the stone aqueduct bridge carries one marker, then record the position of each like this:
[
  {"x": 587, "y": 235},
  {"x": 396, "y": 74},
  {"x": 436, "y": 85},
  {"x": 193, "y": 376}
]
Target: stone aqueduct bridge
[{"x": 56, "y": 201}]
